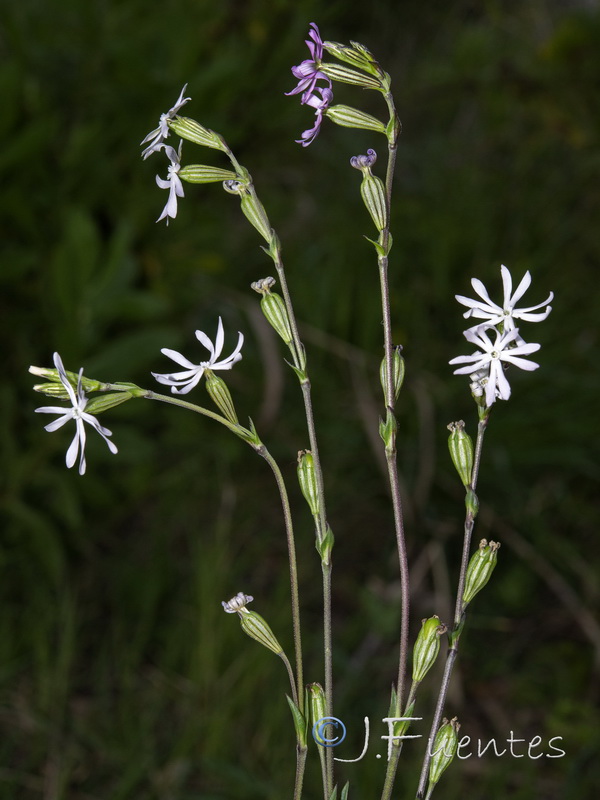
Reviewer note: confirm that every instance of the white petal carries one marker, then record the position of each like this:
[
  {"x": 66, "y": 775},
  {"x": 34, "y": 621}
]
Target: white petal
[
  {"x": 520, "y": 290},
  {"x": 58, "y": 423},
  {"x": 178, "y": 358},
  {"x": 206, "y": 342}
]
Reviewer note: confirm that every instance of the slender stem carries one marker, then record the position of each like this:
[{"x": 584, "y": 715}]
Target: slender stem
[
  {"x": 290, "y": 673},
  {"x": 300, "y": 767},
  {"x": 459, "y": 615},
  {"x": 392, "y": 764},
  {"x": 299, "y": 700}
]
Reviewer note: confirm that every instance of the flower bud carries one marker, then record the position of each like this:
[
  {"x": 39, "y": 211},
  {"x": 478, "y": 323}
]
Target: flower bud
[
  {"x": 103, "y": 402},
  {"x": 308, "y": 481},
  {"x": 255, "y": 212},
  {"x": 220, "y": 395},
  {"x": 398, "y": 369},
  {"x": 460, "y": 445},
  {"x": 201, "y": 173},
  {"x": 88, "y": 384},
  {"x": 357, "y": 55},
  {"x": 318, "y": 706},
  {"x": 349, "y": 117},
  {"x": 273, "y": 307},
  {"x": 194, "y": 132},
  {"x": 337, "y": 72},
  {"x": 445, "y": 746},
  {"x": 427, "y": 647},
  {"x": 480, "y": 569}
]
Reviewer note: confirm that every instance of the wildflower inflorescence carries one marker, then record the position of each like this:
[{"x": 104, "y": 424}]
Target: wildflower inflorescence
[
  {"x": 498, "y": 338},
  {"x": 184, "y": 382},
  {"x": 76, "y": 412}
]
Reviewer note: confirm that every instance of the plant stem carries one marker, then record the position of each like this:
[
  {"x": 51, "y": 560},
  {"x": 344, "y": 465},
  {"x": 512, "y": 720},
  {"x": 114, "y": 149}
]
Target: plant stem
[{"x": 459, "y": 614}]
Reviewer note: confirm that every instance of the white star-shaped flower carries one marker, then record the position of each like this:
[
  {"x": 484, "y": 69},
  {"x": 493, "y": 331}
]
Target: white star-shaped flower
[
  {"x": 184, "y": 382},
  {"x": 507, "y": 313},
  {"x": 172, "y": 183},
  {"x": 492, "y": 356},
  {"x": 158, "y": 135},
  {"x": 77, "y": 413}
]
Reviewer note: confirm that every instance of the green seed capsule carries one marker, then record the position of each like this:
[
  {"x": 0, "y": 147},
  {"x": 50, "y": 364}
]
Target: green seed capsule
[
  {"x": 398, "y": 367},
  {"x": 480, "y": 569},
  {"x": 427, "y": 647},
  {"x": 308, "y": 480},
  {"x": 460, "y": 445},
  {"x": 256, "y": 627},
  {"x": 444, "y": 749}
]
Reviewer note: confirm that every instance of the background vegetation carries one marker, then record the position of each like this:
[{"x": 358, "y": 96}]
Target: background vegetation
[{"x": 120, "y": 676}]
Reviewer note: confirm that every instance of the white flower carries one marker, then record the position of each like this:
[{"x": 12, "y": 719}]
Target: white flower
[
  {"x": 506, "y": 313},
  {"x": 237, "y": 603},
  {"x": 183, "y": 382},
  {"x": 172, "y": 183},
  {"x": 158, "y": 135},
  {"x": 491, "y": 356},
  {"x": 77, "y": 412}
]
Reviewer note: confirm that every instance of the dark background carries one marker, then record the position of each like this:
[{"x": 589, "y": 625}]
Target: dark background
[{"x": 120, "y": 676}]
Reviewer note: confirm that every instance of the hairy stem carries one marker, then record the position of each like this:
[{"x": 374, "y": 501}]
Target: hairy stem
[{"x": 459, "y": 615}]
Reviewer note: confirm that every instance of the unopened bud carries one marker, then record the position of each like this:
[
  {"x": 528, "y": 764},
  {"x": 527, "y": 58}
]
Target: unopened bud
[
  {"x": 307, "y": 479},
  {"x": 480, "y": 569},
  {"x": 398, "y": 370},
  {"x": 255, "y": 212},
  {"x": 427, "y": 647},
  {"x": 201, "y": 173},
  {"x": 220, "y": 395},
  {"x": 88, "y": 384},
  {"x": 357, "y": 55},
  {"x": 194, "y": 132},
  {"x": 318, "y": 706},
  {"x": 372, "y": 191},
  {"x": 273, "y": 307},
  {"x": 460, "y": 445},
  {"x": 445, "y": 746},
  {"x": 337, "y": 72},
  {"x": 349, "y": 117},
  {"x": 102, "y": 402}
]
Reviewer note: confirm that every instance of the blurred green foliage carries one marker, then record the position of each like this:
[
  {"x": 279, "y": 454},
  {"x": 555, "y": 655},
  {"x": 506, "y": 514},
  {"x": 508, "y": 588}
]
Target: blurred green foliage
[{"x": 120, "y": 676}]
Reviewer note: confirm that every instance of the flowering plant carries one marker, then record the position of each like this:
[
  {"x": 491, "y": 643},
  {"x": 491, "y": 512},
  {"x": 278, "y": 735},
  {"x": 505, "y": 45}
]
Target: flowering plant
[{"x": 499, "y": 346}]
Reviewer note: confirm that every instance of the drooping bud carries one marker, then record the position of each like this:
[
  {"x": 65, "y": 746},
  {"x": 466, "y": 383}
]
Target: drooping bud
[
  {"x": 427, "y": 647},
  {"x": 220, "y": 395},
  {"x": 307, "y": 479},
  {"x": 338, "y": 72},
  {"x": 398, "y": 370},
  {"x": 191, "y": 130},
  {"x": 202, "y": 173},
  {"x": 252, "y": 623},
  {"x": 349, "y": 117},
  {"x": 460, "y": 445},
  {"x": 480, "y": 569},
  {"x": 273, "y": 307},
  {"x": 444, "y": 749}
]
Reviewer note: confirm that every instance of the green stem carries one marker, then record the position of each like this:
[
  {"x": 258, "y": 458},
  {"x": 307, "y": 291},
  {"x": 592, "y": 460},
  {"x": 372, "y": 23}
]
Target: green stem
[
  {"x": 459, "y": 616},
  {"x": 285, "y": 503}
]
